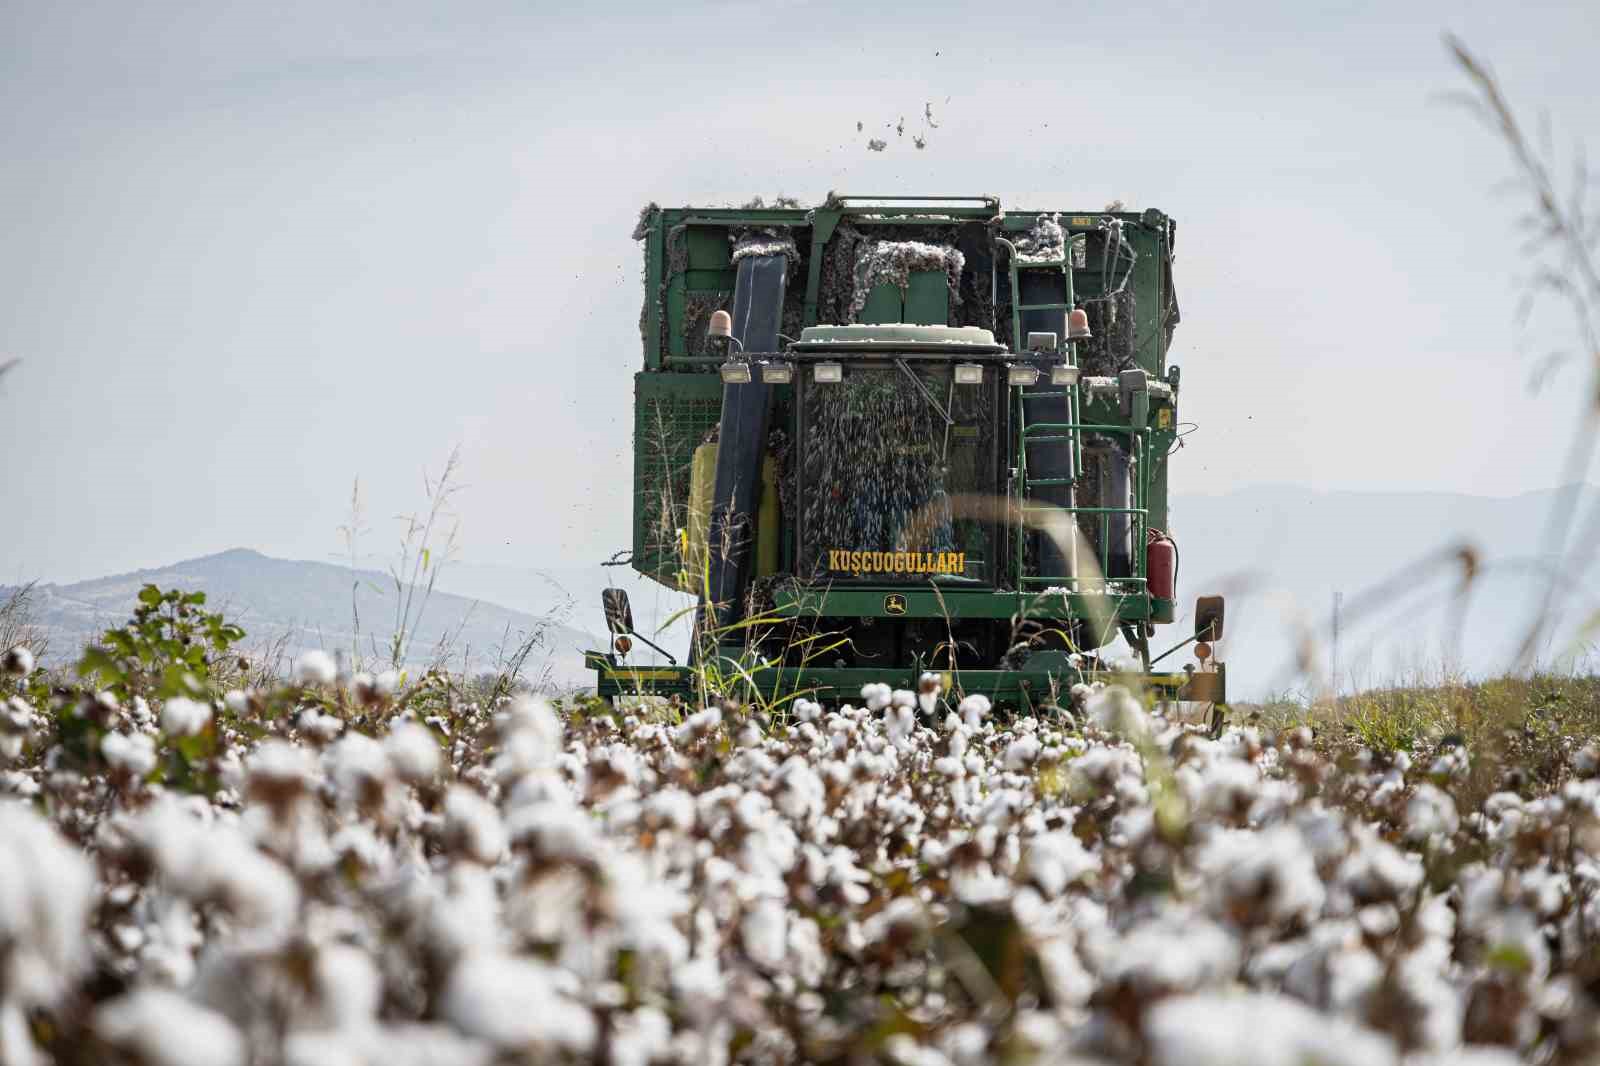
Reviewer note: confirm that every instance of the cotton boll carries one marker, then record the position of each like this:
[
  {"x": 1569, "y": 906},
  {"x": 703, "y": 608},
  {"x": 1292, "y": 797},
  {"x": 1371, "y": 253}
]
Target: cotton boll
[
  {"x": 277, "y": 767},
  {"x": 1430, "y": 813},
  {"x": 876, "y": 696},
  {"x": 346, "y": 986},
  {"x": 17, "y": 661},
  {"x": 1377, "y": 872},
  {"x": 165, "y": 1029},
  {"x": 219, "y": 865},
  {"x": 1055, "y": 860},
  {"x": 407, "y": 1044},
  {"x": 46, "y": 888},
  {"x": 1021, "y": 753},
  {"x": 518, "y": 1004},
  {"x": 1262, "y": 877},
  {"x": 359, "y": 766},
  {"x": 315, "y": 668},
  {"x": 1226, "y": 790},
  {"x": 135, "y": 754},
  {"x": 974, "y": 709},
  {"x": 640, "y": 1037},
  {"x": 17, "y": 1047},
  {"x": 237, "y": 702},
  {"x": 1171, "y": 952},
  {"x": 322, "y": 728},
  {"x": 1114, "y": 710},
  {"x": 764, "y": 933},
  {"x": 181, "y": 717},
  {"x": 700, "y": 724},
  {"x": 473, "y": 826},
  {"x": 1257, "y": 1030},
  {"x": 413, "y": 752}
]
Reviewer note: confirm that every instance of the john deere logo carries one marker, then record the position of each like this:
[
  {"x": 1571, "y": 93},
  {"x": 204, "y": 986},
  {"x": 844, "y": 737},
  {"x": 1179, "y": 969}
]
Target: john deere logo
[{"x": 894, "y": 603}]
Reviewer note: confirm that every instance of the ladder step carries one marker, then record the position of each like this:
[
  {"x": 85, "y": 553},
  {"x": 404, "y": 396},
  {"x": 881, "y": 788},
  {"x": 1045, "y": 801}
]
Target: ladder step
[
  {"x": 1043, "y": 395},
  {"x": 1044, "y": 307},
  {"x": 1048, "y": 482},
  {"x": 1040, "y": 264},
  {"x": 1053, "y": 439}
]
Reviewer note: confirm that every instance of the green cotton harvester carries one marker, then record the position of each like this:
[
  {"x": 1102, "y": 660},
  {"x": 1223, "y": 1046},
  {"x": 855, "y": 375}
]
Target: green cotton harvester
[{"x": 921, "y": 441}]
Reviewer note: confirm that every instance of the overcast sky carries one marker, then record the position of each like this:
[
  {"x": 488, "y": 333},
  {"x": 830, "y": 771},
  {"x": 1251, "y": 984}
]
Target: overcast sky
[{"x": 251, "y": 251}]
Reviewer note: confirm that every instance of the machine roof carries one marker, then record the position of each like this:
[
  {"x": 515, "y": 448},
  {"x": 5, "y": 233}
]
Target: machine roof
[{"x": 898, "y": 335}]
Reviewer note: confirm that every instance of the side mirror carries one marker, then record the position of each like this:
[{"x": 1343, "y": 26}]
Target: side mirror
[
  {"x": 619, "y": 614},
  {"x": 1208, "y": 618}
]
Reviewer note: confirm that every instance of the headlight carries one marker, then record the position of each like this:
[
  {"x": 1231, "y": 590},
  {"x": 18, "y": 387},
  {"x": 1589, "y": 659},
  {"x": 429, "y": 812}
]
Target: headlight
[
  {"x": 1063, "y": 375},
  {"x": 1022, "y": 374},
  {"x": 969, "y": 373},
  {"x": 735, "y": 373},
  {"x": 777, "y": 373},
  {"x": 827, "y": 373}
]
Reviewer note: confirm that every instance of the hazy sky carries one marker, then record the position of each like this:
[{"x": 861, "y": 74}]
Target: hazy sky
[{"x": 251, "y": 251}]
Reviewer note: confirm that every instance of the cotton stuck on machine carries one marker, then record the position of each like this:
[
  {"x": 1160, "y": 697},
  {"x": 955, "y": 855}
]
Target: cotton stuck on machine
[{"x": 894, "y": 436}]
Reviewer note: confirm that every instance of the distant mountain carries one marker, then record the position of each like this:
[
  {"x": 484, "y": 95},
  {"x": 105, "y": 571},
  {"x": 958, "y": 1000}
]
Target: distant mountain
[
  {"x": 575, "y": 591},
  {"x": 309, "y": 605}
]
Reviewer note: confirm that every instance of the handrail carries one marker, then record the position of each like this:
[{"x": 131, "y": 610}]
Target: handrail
[{"x": 1139, "y": 441}]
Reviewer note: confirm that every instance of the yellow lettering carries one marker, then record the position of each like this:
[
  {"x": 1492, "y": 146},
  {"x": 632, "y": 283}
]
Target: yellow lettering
[{"x": 961, "y": 562}]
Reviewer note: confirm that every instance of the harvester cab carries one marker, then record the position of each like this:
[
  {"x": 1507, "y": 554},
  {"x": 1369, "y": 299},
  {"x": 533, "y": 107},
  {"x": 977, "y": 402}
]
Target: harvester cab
[{"x": 892, "y": 437}]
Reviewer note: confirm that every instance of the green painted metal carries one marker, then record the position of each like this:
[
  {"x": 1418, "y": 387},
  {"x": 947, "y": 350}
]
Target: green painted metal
[
  {"x": 883, "y": 305},
  {"x": 1026, "y": 688},
  {"x": 1125, "y": 601},
  {"x": 927, "y": 298},
  {"x": 678, "y": 395},
  {"x": 673, "y": 412}
]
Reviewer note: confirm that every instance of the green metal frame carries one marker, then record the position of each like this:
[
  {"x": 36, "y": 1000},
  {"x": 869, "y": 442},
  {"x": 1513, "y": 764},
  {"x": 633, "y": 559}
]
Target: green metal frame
[{"x": 1025, "y": 688}]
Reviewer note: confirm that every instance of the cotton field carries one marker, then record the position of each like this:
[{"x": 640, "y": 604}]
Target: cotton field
[{"x": 335, "y": 873}]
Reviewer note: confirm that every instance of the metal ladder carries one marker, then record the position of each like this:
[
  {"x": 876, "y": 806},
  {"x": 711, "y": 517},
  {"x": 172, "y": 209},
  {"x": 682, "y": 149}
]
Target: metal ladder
[
  {"x": 1069, "y": 432},
  {"x": 1058, "y": 433}
]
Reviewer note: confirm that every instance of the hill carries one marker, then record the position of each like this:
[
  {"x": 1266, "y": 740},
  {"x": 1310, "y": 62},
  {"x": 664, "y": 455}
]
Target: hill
[{"x": 301, "y": 604}]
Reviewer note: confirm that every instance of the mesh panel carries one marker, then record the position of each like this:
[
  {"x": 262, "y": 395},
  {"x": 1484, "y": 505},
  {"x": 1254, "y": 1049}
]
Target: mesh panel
[{"x": 669, "y": 423}]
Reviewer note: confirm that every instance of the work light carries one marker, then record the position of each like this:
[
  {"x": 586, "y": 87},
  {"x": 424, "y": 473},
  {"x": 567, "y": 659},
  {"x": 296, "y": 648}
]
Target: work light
[
  {"x": 1063, "y": 375},
  {"x": 827, "y": 373},
  {"x": 777, "y": 372},
  {"x": 969, "y": 373},
  {"x": 735, "y": 372},
  {"x": 1022, "y": 374}
]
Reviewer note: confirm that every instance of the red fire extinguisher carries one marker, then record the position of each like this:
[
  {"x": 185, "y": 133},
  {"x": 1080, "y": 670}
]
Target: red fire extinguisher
[{"x": 1161, "y": 565}]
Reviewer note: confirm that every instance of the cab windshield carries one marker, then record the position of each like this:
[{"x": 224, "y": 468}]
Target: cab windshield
[{"x": 886, "y": 456}]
